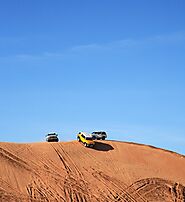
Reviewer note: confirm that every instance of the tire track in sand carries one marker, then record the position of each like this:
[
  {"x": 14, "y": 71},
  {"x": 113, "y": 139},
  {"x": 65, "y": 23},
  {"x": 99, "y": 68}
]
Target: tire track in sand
[
  {"x": 116, "y": 190},
  {"x": 75, "y": 186},
  {"x": 14, "y": 160},
  {"x": 158, "y": 189}
]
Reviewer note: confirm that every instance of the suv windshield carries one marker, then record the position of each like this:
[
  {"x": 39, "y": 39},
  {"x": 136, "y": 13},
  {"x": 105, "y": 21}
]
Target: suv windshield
[{"x": 99, "y": 133}]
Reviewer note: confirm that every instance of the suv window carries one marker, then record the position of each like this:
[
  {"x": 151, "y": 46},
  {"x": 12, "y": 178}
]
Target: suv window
[
  {"x": 52, "y": 134},
  {"x": 88, "y": 138}
]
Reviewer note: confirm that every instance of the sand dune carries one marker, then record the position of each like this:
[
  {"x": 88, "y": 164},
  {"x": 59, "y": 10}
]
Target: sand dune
[{"x": 112, "y": 171}]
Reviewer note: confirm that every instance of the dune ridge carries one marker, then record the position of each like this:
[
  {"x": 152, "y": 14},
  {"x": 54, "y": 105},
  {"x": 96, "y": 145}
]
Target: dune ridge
[{"x": 112, "y": 171}]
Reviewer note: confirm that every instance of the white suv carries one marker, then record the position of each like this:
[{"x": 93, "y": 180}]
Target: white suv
[
  {"x": 99, "y": 135},
  {"x": 52, "y": 137}
]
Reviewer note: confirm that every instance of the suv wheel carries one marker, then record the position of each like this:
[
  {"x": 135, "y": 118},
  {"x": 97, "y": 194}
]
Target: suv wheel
[
  {"x": 103, "y": 138},
  {"x": 78, "y": 139},
  {"x": 85, "y": 144}
]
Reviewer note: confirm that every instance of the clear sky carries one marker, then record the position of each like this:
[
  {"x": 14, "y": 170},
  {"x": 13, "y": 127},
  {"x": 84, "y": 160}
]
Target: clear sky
[{"x": 113, "y": 65}]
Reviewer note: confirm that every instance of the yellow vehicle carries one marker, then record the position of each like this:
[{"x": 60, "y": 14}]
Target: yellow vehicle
[{"x": 86, "y": 139}]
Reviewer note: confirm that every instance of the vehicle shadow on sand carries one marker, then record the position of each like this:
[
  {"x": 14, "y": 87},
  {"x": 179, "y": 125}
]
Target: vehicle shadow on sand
[{"x": 100, "y": 146}]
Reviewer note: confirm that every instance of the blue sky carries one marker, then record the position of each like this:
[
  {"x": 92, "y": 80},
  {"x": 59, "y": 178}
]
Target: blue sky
[{"x": 117, "y": 66}]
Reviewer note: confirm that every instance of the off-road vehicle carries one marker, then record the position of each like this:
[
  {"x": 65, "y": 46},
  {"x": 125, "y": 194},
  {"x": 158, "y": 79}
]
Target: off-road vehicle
[
  {"x": 99, "y": 135},
  {"x": 86, "y": 139},
  {"x": 52, "y": 137}
]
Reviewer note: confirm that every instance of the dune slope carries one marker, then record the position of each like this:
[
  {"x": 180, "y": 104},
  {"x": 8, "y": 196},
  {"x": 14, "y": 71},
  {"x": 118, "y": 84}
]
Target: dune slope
[{"x": 112, "y": 171}]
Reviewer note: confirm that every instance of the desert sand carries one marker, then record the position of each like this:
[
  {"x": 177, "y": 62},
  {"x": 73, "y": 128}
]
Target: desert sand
[{"x": 112, "y": 171}]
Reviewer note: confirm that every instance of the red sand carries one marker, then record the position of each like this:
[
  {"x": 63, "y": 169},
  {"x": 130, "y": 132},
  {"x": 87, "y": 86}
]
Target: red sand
[{"x": 112, "y": 171}]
